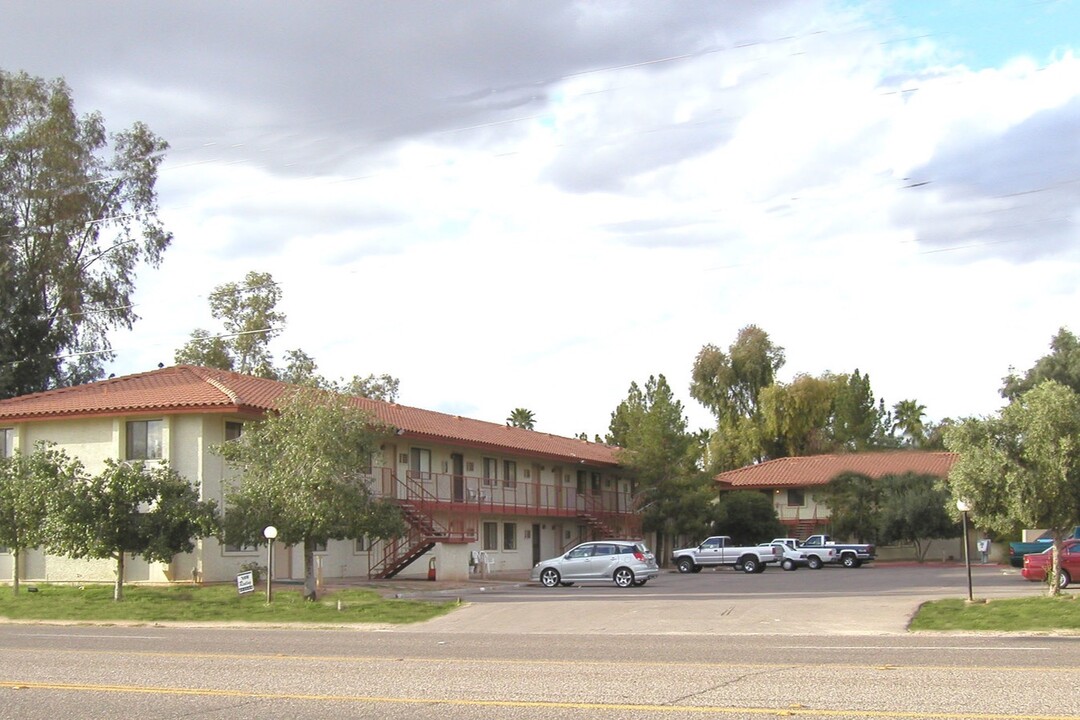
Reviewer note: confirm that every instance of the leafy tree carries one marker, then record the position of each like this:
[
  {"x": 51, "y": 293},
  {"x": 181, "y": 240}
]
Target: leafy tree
[
  {"x": 796, "y": 416},
  {"x": 1022, "y": 467},
  {"x": 858, "y": 424},
  {"x": 853, "y": 500},
  {"x": 913, "y": 508},
  {"x": 735, "y": 444},
  {"x": 26, "y": 481},
  {"x": 303, "y": 470},
  {"x": 128, "y": 508},
  {"x": 1062, "y": 365},
  {"x": 748, "y": 517},
  {"x": 728, "y": 383},
  {"x": 248, "y": 313},
  {"x": 521, "y": 418},
  {"x": 75, "y": 223},
  {"x": 300, "y": 369},
  {"x": 908, "y": 419},
  {"x": 374, "y": 387},
  {"x": 663, "y": 457}
]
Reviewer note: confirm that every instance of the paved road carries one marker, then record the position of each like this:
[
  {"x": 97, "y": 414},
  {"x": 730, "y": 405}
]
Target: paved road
[{"x": 540, "y": 654}]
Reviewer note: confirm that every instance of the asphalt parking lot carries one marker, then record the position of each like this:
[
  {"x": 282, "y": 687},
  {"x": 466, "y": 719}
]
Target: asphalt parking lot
[{"x": 877, "y": 599}]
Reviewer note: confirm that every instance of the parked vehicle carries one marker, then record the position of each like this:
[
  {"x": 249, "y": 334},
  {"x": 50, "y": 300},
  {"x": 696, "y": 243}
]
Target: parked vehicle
[
  {"x": 1017, "y": 550},
  {"x": 1037, "y": 565},
  {"x": 795, "y": 555},
  {"x": 624, "y": 562},
  {"x": 719, "y": 550},
  {"x": 850, "y": 555}
]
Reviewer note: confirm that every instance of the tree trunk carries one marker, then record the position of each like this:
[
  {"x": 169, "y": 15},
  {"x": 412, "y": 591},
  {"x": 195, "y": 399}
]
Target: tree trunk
[
  {"x": 309, "y": 569},
  {"x": 15, "y": 569},
  {"x": 118, "y": 588},
  {"x": 1054, "y": 573}
]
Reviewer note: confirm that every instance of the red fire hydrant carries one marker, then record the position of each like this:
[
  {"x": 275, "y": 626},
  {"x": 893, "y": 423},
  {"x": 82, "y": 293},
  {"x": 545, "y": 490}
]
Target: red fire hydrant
[{"x": 431, "y": 569}]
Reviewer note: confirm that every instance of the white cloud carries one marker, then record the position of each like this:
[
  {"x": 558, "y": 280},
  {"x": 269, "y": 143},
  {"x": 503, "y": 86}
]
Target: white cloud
[{"x": 537, "y": 209}]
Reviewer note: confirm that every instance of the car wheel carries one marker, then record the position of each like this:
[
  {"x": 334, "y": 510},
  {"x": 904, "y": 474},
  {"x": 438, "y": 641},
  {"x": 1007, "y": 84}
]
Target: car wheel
[
  {"x": 1064, "y": 580},
  {"x": 849, "y": 561},
  {"x": 685, "y": 565},
  {"x": 788, "y": 564},
  {"x": 750, "y": 566},
  {"x": 814, "y": 562},
  {"x": 624, "y": 577},
  {"x": 697, "y": 568},
  {"x": 738, "y": 567},
  {"x": 549, "y": 577},
  {"x": 639, "y": 583}
]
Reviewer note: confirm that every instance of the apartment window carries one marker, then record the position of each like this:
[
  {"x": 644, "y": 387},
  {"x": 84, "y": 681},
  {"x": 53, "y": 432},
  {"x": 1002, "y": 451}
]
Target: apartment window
[
  {"x": 491, "y": 536},
  {"x": 4, "y": 550},
  {"x": 420, "y": 463},
  {"x": 144, "y": 439},
  {"x": 320, "y": 547},
  {"x": 240, "y": 548},
  {"x": 581, "y": 477},
  {"x": 796, "y": 496},
  {"x": 509, "y": 473},
  {"x": 509, "y": 536},
  {"x": 233, "y": 430},
  {"x": 595, "y": 477},
  {"x": 491, "y": 472},
  {"x": 362, "y": 544},
  {"x": 7, "y": 442}
]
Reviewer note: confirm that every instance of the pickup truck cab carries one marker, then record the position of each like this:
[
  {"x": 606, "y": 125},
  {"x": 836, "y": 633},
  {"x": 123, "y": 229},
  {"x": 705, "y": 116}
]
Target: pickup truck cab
[
  {"x": 850, "y": 555},
  {"x": 719, "y": 550}
]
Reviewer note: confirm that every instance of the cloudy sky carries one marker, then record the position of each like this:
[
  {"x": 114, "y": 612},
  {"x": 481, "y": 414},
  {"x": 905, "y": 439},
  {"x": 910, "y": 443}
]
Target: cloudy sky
[{"x": 532, "y": 204}]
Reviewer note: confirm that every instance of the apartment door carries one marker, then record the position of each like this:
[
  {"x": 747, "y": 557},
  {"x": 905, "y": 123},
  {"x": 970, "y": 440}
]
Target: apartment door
[
  {"x": 457, "y": 462},
  {"x": 536, "y": 543}
]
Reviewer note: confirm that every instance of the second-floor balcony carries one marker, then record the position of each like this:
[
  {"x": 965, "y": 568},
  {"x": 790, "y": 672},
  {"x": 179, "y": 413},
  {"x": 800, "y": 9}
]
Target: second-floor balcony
[{"x": 465, "y": 493}]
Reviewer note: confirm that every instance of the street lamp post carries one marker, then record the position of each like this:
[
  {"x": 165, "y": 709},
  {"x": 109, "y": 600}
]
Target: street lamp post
[
  {"x": 269, "y": 532},
  {"x": 964, "y": 509}
]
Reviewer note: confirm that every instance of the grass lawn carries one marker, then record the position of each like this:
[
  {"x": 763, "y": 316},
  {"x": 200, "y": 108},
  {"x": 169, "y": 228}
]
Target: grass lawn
[
  {"x": 217, "y": 603},
  {"x": 1029, "y": 614}
]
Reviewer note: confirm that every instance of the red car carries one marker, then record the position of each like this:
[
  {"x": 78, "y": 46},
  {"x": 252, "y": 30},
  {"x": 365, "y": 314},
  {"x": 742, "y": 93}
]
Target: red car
[{"x": 1036, "y": 565}]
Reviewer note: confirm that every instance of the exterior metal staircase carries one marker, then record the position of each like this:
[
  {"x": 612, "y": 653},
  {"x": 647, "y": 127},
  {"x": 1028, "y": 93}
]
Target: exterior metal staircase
[{"x": 423, "y": 532}]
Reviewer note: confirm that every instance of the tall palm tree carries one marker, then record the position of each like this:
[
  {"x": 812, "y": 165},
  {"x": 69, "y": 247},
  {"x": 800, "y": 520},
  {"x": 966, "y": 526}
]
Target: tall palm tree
[
  {"x": 521, "y": 418},
  {"x": 908, "y": 419}
]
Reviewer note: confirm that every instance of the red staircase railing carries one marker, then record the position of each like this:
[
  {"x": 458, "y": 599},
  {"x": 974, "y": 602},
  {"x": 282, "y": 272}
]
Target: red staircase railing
[{"x": 424, "y": 531}]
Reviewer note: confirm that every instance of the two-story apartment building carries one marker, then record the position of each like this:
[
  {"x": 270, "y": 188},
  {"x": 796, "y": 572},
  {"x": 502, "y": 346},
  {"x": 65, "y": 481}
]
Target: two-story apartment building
[{"x": 477, "y": 496}]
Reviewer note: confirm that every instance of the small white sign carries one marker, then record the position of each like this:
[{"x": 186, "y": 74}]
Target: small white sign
[{"x": 245, "y": 582}]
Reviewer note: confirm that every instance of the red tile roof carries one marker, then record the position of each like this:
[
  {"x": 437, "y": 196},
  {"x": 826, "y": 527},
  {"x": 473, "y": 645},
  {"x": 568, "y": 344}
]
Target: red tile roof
[
  {"x": 820, "y": 469},
  {"x": 189, "y": 389}
]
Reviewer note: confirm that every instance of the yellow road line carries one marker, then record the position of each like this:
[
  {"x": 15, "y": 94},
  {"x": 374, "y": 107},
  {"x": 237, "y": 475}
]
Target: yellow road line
[{"x": 791, "y": 710}]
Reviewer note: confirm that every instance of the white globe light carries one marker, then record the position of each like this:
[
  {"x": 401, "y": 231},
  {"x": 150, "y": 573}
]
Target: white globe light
[{"x": 270, "y": 532}]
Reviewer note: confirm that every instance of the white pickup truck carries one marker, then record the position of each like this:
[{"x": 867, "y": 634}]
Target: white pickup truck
[
  {"x": 850, "y": 555},
  {"x": 719, "y": 550},
  {"x": 796, "y": 555}
]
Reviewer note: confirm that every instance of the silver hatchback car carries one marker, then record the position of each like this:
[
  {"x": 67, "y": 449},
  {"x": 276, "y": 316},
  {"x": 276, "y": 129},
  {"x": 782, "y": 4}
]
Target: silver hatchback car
[{"x": 624, "y": 562}]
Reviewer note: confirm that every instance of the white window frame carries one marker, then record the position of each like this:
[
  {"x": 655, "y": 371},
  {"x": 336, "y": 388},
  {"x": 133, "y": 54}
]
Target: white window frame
[
  {"x": 7, "y": 442},
  {"x": 494, "y": 544},
  {"x": 491, "y": 471},
  {"x": 153, "y": 447}
]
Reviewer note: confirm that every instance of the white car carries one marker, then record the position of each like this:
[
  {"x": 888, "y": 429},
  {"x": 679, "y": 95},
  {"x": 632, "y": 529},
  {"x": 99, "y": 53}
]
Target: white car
[{"x": 795, "y": 555}]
